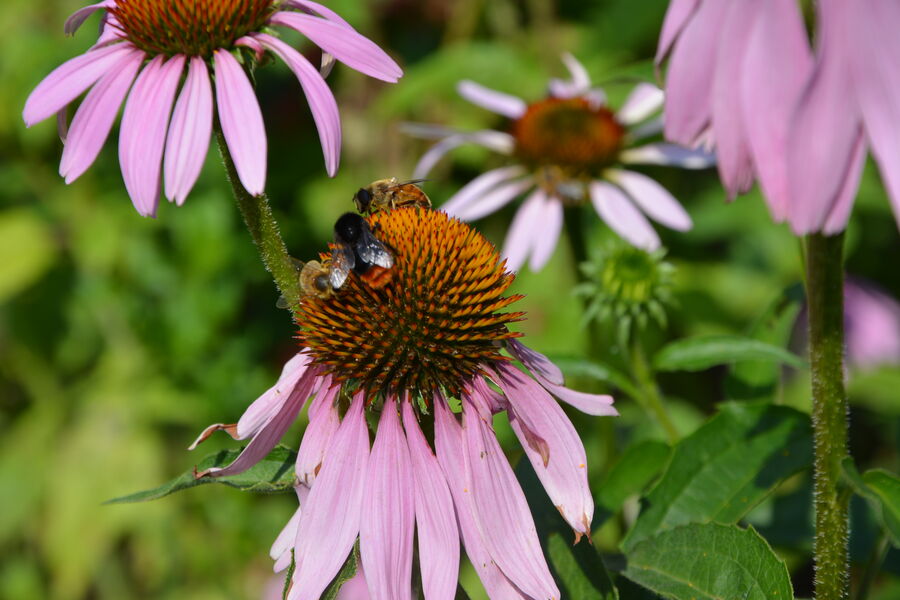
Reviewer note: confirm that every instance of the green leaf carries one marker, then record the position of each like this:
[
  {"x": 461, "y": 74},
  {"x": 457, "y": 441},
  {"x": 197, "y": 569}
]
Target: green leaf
[
  {"x": 637, "y": 466},
  {"x": 709, "y": 561},
  {"x": 578, "y": 569},
  {"x": 726, "y": 467},
  {"x": 699, "y": 353},
  {"x": 274, "y": 473},
  {"x": 27, "y": 250},
  {"x": 347, "y": 572},
  {"x": 882, "y": 490}
]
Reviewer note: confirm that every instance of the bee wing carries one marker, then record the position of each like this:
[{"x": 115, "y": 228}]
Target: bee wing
[
  {"x": 372, "y": 251},
  {"x": 409, "y": 181},
  {"x": 342, "y": 262}
]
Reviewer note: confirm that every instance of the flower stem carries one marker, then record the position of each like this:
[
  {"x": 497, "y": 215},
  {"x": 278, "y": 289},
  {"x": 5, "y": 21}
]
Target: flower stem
[
  {"x": 652, "y": 399},
  {"x": 263, "y": 227},
  {"x": 825, "y": 296}
]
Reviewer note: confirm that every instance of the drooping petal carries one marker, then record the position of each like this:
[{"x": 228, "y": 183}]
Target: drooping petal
[
  {"x": 677, "y": 15},
  {"x": 653, "y": 199},
  {"x": 497, "y": 102},
  {"x": 689, "y": 81},
  {"x": 494, "y": 140},
  {"x": 321, "y": 101},
  {"x": 501, "y": 511},
  {"x": 331, "y": 515},
  {"x": 94, "y": 119},
  {"x": 644, "y": 100},
  {"x": 242, "y": 123},
  {"x": 578, "y": 85},
  {"x": 142, "y": 134},
  {"x": 535, "y": 362},
  {"x": 669, "y": 155},
  {"x": 563, "y": 469},
  {"x": 323, "y": 424},
  {"x": 189, "y": 133},
  {"x": 840, "y": 212},
  {"x": 317, "y": 9},
  {"x": 470, "y": 195},
  {"x": 388, "y": 515},
  {"x": 622, "y": 216},
  {"x": 69, "y": 80},
  {"x": 450, "y": 455},
  {"x": 271, "y": 401},
  {"x": 493, "y": 200},
  {"x": 435, "y": 518},
  {"x": 344, "y": 43},
  {"x": 776, "y": 63},
  {"x": 280, "y": 551},
  {"x": 526, "y": 226},
  {"x": 545, "y": 244},
  {"x": 77, "y": 18}
]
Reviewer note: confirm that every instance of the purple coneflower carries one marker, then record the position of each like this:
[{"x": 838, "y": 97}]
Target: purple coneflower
[
  {"x": 568, "y": 148},
  {"x": 154, "y": 45},
  {"x": 404, "y": 354}
]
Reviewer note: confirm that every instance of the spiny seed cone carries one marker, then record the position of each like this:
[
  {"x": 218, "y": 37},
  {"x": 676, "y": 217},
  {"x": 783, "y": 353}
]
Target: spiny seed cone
[
  {"x": 432, "y": 326},
  {"x": 191, "y": 27}
]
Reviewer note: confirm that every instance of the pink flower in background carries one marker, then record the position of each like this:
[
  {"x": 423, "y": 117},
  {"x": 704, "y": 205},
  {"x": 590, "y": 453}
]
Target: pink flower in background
[
  {"x": 742, "y": 78},
  {"x": 567, "y": 149},
  {"x": 149, "y": 46},
  {"x": 871, "y": 325}
]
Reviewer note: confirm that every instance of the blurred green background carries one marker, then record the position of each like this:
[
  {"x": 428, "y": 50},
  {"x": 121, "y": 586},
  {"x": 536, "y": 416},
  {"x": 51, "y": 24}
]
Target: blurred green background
[{"x": 122, "y": 337}]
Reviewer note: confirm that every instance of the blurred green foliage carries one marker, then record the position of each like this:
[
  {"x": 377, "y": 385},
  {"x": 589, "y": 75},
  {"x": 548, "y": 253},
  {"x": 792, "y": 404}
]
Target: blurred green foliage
[{"x": 122, "y": 337}]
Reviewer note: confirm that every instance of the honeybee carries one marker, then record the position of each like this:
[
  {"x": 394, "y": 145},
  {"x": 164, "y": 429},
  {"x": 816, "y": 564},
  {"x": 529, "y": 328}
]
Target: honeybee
[
  {"x": 315, "y": 279},
  {"x": 357, "y": 249},
  {"x": 389, "y": 194}
]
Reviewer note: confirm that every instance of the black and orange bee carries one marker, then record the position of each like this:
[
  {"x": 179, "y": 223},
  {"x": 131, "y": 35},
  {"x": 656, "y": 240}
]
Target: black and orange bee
[
  {"x": 357, "y": 249},
  {"x": 389, "y": 194}
]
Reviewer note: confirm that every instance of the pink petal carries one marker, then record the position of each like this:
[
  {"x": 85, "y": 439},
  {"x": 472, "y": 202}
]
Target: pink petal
[
  {"x": 501, "y": 511},
  {"x": 732, "y": 150},
  {"x": 494, "y": 140},
  {"x": 280, "y": 551},
  {"x": 241, "y": 121},
  {"x": 653, "y": 199},
  {"x": 321, "y": 101},
  {"x": 189, "y": 133},
  {"x": 677, "y": 16},
  {"x": 872, "y": 323},
  {"x": 876, "y": 79},
  {"x": 81, "y": 15},
  {"x": 578, "y": 85},
  {"x": 317, "y": 9},
  {"x": 689, "y": 81},
  {"x": 388, "y": 519},
  {"x": 323, "y": 424},
  {"x": 524, "y": 230},
  {"x": 471, "y": 194},
  {"x": 621, "y": 215},
  {"x": 544, "y": 245},
  {"x": 142, "y": 134},
  {"x": 450, "y": 454},
  {"x": 67, "y": 81},
  {"x": 535, "y": 362},
  {"x": 564, "y": 471},
  {"x": 96, "y": 115},
  {"x": 270, "y": 403},
  {"x": 823, "y": 130},
  {"x": 668, "y": 155},
  {"x": 493, "y": 200},
  {"x": 840, "y": 212},
  {"x": 270, "y": 433},
  {"x": 435, "y": 518},
  {"x": 492, "y": 100},
  {"x": 644, "y": 100},
  {"x": 348, "y": 46},
  {"x": 331, "y": 515}
]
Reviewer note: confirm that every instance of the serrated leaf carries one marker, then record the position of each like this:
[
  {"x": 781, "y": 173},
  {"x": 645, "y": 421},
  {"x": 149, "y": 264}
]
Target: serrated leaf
[
  {"x": 882, "y": 490},
  {"x": 637, "y": 466},
  {"x": 274, "y": 473},
  {"x": 699, "y": 353},
  {"x": 726, "y": 467},
  {"x": 709, "y": 562}
]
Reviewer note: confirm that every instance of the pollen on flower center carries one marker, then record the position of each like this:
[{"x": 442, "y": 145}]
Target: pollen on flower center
[
  {"x": 432, "y": 326},
  {"x": 568, "y": 133},
  {"x": 191, "y": 27}
]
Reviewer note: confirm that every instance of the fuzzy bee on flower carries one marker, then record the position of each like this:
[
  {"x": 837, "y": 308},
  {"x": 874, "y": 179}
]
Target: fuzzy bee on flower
[{"x": 390, "y": 193}]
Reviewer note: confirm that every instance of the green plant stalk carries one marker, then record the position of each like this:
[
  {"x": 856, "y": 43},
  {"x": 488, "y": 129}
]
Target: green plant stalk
[
  {"x": 652, "y": 400},
  {"x": 263, "y": 229},
  {"x": 825, "y": 298}
]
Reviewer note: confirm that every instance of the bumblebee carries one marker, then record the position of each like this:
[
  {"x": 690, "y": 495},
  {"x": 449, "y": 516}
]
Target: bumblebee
[
  {"x": 357, "y": 249},
  {"x": 386, "y": 194}
]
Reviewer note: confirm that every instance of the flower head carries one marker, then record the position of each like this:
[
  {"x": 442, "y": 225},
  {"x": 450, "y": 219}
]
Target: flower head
[
  {"x": 150, "y": 46},
  {"x": 568, "y": 148},
  {"x": 405, "y": 353}
]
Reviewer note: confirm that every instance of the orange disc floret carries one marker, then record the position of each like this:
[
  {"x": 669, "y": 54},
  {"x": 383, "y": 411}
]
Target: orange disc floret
[
  {"x": 433, "y": 325},
  {"x": 190, "y": 27}
]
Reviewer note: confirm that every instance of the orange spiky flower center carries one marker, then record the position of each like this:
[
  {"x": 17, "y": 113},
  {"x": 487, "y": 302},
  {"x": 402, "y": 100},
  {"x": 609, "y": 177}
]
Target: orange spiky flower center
[
  {"x": 435, "y": 324},
  {"x": 191, "y": 27},
  {"x": 568, "y": 134}
]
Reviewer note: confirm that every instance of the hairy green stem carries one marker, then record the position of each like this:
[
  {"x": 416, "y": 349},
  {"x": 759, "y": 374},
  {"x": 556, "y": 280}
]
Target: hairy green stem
[
  {"x": 825, "y": 297},
  {"x": 652, "y": 399},
  {"x": 263, "y": 229}
]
